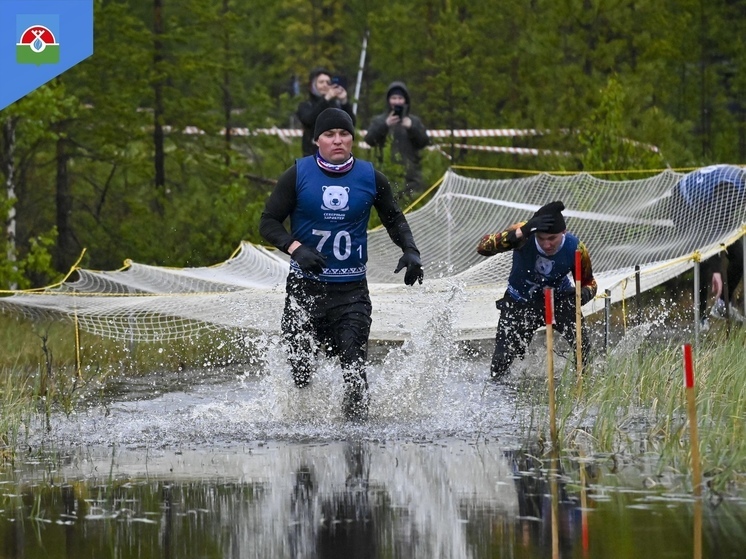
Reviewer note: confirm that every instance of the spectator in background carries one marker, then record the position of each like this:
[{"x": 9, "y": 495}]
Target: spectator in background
[
  {"x": 408, "y": 136},
  {"x": 709, "y": 202},
  {"x": 322, "y": 94}
]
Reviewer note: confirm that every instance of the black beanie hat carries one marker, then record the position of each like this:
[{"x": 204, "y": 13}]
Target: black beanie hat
[
  {"x": 316, "y": 72},
  {"x": 554, "y": 208},
  {"x": 396, "y": 90},
  {"x": 331, "y": 118}
]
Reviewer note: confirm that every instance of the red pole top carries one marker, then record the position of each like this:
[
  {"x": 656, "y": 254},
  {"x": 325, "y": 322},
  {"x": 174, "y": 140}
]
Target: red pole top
[
  {"x": 549, "y": 305},
  {"x": 578, "y": 271},
  {"x": 688, "y": 366}
]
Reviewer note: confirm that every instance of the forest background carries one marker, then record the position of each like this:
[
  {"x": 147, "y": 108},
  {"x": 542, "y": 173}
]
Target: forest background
[{"x": 98, "y": 159}]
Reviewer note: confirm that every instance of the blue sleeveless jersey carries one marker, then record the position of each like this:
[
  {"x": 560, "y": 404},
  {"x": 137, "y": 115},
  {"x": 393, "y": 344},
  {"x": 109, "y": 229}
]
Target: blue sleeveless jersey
[
  {"x": 697, "y": 188},
  {"x": 331, "y": 215},
  {"x": 533, "y": 271}
]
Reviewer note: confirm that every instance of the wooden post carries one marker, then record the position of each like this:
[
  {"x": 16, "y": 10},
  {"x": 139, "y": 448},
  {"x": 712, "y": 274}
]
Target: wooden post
[
  {"x": 549, "y": 319},
  {"x": 585, "y": 535},
  {"x": 692, "y": 411},
  {"x": 607, "y": 313},
  {"x": 638, "y": 295},
  {"x": 694, "y": 443},
  {"x": 554, "y": 492}
]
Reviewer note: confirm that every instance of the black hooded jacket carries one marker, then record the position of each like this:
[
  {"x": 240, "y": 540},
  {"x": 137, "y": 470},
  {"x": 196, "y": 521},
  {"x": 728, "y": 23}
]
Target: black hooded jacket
[
  {"x": 406, "y": 143},
  {"x": 309, "y": 110}
]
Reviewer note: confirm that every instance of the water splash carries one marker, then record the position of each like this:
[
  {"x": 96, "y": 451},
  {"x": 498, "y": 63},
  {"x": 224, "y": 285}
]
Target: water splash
[{"x": 423, "y": 388}]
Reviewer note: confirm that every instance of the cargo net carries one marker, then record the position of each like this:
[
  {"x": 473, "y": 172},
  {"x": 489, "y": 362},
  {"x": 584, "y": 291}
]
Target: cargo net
[{"x": 624, "y": 224}]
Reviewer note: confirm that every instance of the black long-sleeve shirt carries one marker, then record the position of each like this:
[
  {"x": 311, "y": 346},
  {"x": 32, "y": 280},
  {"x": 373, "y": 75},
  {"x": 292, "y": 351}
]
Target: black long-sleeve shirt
[{"x": 283, "y": 199}]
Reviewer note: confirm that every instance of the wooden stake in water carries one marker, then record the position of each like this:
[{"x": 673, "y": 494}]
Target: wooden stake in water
[
  {"x": 578, "y": 322},
  {"x": 697, "y": 530},
  {"x": 585, "y": 536},
  {"x": 554, "y": 491},
  {"x": 692, "y": 409},
  {"x": 696, "y": 475},
  {"x": 638, "y": 296},
  {"x": 549, "y": 319}
]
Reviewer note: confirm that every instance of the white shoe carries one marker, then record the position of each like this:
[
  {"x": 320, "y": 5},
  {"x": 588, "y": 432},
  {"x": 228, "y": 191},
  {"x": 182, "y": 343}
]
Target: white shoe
[
  {"x": 718, "y": 311},
  {"x": 704, "y": 325}
]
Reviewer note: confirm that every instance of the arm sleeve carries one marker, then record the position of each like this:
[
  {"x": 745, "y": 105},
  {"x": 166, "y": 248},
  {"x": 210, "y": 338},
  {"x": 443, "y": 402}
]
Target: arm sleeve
[
  {"x": 278, "y": 207},
  {"x": 377, "y": 131},
  {"x": 391, "y": 216},
  {"x": 495, "y": 243},
  {"x": 418, "y": 134}
]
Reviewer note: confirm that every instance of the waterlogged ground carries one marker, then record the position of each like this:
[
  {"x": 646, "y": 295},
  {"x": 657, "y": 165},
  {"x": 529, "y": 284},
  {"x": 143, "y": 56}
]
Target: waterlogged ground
[{"x": 241, "y": 464}]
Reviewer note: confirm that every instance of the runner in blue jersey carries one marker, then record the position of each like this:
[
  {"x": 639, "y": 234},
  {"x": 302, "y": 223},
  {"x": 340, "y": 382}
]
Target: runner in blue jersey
[
  {"x": 328, "y": 198},
  {"x": 716, "y": 197},
  {"x": 543, "y": 256}
]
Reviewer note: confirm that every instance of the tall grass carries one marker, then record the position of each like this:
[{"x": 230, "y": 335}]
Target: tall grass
[
  {"x": 634, "y": 404},
  {"x": 33, "y": 343},
  {"x": 48, "y": 367}
]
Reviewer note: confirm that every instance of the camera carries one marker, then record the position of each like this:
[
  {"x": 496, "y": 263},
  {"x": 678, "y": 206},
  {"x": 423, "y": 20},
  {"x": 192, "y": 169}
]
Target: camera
[
  {"x": 398, "y": 110},
  {"x": 341, "y": 81}
]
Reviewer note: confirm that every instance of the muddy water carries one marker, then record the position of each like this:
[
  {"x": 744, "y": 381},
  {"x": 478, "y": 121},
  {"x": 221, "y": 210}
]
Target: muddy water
[{"x": 242, "y": 464}]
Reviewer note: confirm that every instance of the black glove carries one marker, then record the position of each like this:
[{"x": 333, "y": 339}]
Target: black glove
[
  {"x": 586, "y": 294},
  {"x": 411, "y": 261},
  {"x": 540, "y": 223},
  {"x": 309, "y": 259}
]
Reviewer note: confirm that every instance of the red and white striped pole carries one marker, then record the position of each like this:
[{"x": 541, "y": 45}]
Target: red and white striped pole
[
  {"x": 692, "y": 410},
  {"x": 578, "y": 321},
  {"x": 693, "y": 440},
  {"x": 549, "y": 319}
]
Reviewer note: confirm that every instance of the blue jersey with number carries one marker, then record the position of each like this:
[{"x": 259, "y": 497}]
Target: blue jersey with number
[
  {"x": 533, "y": 270},
  {"x": 331, "y": 214}
]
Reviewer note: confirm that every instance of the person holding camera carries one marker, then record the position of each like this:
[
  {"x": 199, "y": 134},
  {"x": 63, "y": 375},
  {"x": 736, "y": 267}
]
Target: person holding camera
[
  {"x": 408, "y": 136},
  {"x": 324, "y": 92}
]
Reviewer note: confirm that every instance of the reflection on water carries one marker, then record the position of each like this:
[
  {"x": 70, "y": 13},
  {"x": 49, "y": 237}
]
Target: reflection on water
[{"x": 363, "y": 499}]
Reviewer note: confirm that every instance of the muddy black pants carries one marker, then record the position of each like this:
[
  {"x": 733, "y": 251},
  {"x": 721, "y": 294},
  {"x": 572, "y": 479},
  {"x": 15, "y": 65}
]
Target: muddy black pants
[
  {"x": 518, "y": 322},
  {"x": 331, "y": 317}
]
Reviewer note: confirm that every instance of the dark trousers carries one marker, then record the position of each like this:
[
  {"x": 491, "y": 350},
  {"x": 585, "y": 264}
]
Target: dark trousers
[
  {"x": 518, "y": 322},
  {"x": 332, "y": 317},
  {"x": 733, "y": 275}
]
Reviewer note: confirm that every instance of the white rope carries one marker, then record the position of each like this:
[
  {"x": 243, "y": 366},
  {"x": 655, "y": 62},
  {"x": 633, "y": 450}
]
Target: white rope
[{"x": 286, "y": 133}]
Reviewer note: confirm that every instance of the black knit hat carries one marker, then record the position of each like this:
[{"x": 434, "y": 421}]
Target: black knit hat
[
  {"x": 331, "y": 118},
  {"x": 554, "y": 208},
  {"x": 396, "y": 90},
  {"x": 316, "y": 72}
]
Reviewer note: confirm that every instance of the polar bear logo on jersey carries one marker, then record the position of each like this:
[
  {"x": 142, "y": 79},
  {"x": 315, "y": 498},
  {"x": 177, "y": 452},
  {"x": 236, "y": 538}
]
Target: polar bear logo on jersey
[
  {"x": 335, "y": 198},
  {"x": 543, "y": 265}
]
